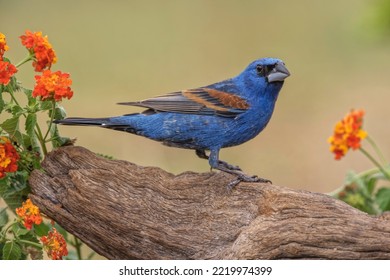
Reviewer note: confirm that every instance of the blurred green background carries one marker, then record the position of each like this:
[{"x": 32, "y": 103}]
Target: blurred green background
[{"x": 129, "y": 50}]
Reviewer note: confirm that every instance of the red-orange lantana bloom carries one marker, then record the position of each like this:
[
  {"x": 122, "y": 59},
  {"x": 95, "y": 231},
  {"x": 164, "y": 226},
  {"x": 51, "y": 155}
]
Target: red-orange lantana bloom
[
  {"x": 55, "y": 245},
  {"x": 53, "y": 85},
  {"x": 8, "y": 157},
  {"x": 41, "y": 48},
  {"x": 29, "y": 213},
  {"x": 3, "y": 45},
  {"x": 347, "y": 134},
  {"x": 7, "y": 70}
]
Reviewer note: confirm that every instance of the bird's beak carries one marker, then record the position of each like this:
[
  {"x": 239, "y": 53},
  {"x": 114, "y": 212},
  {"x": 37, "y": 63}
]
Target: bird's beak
[{"x": 279, "y": 73}]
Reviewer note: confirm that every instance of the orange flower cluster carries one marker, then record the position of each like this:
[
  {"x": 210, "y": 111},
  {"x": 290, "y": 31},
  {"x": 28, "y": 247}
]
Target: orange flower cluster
[
  {"x": 41, "y": 48},
  {"x": 3, "y": 45},
  {"x": 347, "y": 134},
  {"x": 53, "y": 85},
  {"x": 7, "y": 70},
  {"x": 55, "y": 245},
  {"x": 8, "y": 157},
  {"x": 29, "y": 213}
]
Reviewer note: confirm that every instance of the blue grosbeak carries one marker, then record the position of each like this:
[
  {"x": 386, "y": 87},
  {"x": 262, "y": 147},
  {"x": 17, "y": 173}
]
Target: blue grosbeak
[{"x": 209, "y": 118}]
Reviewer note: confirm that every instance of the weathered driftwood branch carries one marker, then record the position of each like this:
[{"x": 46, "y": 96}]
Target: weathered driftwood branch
[{"x": 124, "y": 211}]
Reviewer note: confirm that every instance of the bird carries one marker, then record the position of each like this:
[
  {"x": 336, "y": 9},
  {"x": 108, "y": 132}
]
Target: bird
[{"x": 209, "y": 118}]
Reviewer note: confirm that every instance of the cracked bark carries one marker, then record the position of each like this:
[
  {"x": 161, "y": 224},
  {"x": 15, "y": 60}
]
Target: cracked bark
[{"x": 125, "y": 211}]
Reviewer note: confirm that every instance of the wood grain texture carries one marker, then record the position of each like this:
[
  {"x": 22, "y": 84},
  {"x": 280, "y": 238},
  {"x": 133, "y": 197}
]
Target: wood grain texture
[{"x": 125, "y": 211}]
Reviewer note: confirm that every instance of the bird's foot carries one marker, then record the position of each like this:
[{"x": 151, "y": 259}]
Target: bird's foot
[
  {"x": 231, "y": 169},
  {"x": 246, "y": 178},
  {"x": 229, "y": 166}
]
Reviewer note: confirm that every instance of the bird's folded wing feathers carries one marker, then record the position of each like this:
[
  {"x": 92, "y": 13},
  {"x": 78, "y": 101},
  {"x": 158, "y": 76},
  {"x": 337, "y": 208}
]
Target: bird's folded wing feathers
[{"x": 201, "y": 101}]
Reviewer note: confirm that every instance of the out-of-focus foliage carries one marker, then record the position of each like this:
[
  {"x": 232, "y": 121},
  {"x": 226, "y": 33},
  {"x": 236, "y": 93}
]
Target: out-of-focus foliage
[{"x": 381, "y": 18}]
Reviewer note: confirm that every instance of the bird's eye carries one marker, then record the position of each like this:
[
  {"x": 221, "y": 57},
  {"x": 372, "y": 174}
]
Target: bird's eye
[
  {"x": 260, "y": 70},
  {"x": 264, "y": 70}
]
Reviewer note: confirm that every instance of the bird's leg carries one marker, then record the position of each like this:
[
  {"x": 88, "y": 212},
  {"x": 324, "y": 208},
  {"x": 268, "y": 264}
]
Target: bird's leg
[
  {"x": 241, "y": 176},
  {"x": 202, "y": 154}
]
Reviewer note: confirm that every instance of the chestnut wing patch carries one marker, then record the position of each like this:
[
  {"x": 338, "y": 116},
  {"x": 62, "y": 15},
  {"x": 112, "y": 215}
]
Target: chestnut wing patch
[{"x": 228, "y": 99}]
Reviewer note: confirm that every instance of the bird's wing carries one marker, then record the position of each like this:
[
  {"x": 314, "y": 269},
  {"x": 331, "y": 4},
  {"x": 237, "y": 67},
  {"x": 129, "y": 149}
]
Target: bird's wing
[{"x": 201, "y": 101}]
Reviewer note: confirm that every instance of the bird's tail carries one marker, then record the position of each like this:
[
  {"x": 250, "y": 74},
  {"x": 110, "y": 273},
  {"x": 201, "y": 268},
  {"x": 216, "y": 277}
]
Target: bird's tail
[
  {"x": 83, "y": 121},
  {"x": 101, "y": 122}
]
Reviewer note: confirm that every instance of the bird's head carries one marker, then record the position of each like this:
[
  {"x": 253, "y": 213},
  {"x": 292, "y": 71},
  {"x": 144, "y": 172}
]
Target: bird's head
[
  {"x": 270, "y": 70},
  {"x": 265, "y": 76}
]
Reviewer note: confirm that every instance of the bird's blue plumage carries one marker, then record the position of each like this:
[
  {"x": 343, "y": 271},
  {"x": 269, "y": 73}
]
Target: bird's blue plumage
[{"x": 224, "y": 114}]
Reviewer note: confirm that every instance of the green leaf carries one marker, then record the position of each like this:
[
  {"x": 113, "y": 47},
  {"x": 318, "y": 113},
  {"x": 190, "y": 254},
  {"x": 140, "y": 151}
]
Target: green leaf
[
  {"x": 11, "y": 126},
  {"x": 19, "y": 230},
  {"x": 31, "y": 143},
  {"x": 358, "y": 200},
  {"x": 32, "y": 102},
  {"x": 14, "y": 189},
  {"x": 4, "y": 186},
  {"x": 11, "y": 251},
  {"x": 16, "y": 110},
  {"x": 29, "y": 236},
  {"x": 14, "y": 84},
  {"x": 28, "y": 92},
  {"x": 3, "y": 217},
  {"x": 383, "y": 199},
  {"x": 46, "y": 105},
  {"x": 19, "y": 181},
  {"x": 371, "y": 183},
  {"x": 57, "y": 140},
  {"x": 30, "y": 140},
  {"x": 42, "y": 229},
  {"x": 31, "y": 121},
  {"x": 59, "y": 113},
  {"x": 14, "y": 200}
]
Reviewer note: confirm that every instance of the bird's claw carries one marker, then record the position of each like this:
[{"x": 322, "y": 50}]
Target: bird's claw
[
  {"x": 261, "y": 180},
  {"x": 246, "y": 178},
  {"x": 229, "y": 166}
]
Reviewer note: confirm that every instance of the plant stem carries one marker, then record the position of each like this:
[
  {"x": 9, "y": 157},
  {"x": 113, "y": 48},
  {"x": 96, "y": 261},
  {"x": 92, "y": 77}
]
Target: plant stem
[
  {"x": 26, "y": 59},
  {"x": 13, "y": 98},
  {"x": 41, "y": 141},
  {"x": 51, "y": 119},
  {"x": 377, "y": 150},
  {"x": 51, "y": 139},
  {"x": 77, "y": 245},
  {"x": 37, "y": 245},
  {"x": 374, "y": 161}
]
